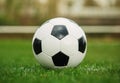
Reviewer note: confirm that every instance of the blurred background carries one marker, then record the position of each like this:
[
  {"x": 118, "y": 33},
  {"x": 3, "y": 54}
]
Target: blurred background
[
  {"x": 35, "y": 12},
  {"x": 96, "y": 16},
  {"x": 100, "y": 19}
]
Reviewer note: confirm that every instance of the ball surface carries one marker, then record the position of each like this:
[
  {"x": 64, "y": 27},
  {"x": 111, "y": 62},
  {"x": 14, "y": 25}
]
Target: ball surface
[{"x": 59, "y": 43}]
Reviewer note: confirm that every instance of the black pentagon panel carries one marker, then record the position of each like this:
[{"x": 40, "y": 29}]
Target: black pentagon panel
[
  {"x": 60, "y": 59},
  {"x": 59, "y": 31},
  {"x": 82, "y": 44},
  {"x": 37, "y": 46}
]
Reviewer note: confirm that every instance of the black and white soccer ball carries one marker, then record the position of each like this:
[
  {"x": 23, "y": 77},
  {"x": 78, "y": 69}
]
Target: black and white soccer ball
[{"x": 59, "y": 43}]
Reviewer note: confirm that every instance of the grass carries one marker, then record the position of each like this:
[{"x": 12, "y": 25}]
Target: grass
[{"x": 18, "y": 65}]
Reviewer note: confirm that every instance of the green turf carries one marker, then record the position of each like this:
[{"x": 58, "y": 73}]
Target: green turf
[{"x": 18, "y": 65}]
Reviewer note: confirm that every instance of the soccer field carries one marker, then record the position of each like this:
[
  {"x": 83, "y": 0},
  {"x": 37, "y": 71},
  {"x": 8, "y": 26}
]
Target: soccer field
[{"x": 18, "y": 65}]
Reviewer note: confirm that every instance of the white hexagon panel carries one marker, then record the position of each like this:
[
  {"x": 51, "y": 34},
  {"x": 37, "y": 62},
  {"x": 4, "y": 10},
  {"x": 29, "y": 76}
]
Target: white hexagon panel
[
  {"x": 69, "y": 45},
  {"x": 43, "y": 31},
  {"x": 50, "y": 45}
]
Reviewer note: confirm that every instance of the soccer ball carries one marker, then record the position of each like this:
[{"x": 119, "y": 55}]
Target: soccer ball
[{"x": 59, "y": 43}]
